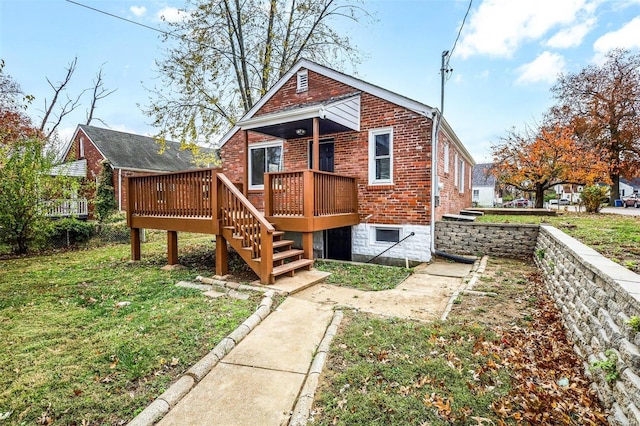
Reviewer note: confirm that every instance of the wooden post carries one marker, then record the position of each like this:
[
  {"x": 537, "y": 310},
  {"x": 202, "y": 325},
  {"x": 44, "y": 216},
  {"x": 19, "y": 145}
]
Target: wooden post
[
  {"x": 316, "y": 144},
  {"x": 268, "y": 195},
  {"x": 266, "y": 256},
  {"x": 222, "y": 256},
  {"x": 308, "y": 193},
  {"x": 245, "y": 183},
  {"x": 172, "y": 247},
  {"x": 135, "y": 243},
  {"x": 307, "y": 244}
]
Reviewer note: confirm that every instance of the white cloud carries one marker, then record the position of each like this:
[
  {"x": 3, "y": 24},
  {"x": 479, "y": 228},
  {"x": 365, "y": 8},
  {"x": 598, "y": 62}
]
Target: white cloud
[
  {"x": 626, "y": 37},
  {"x": 545, "y": 68},
  {"x": 171, "y": 14},
  {"x": 138, "y": 10},
  {"x": 499, "y": 27},
  {"x": 572, "y": 36}
]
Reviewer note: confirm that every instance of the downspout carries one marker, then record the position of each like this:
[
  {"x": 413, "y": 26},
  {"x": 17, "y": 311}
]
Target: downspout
[{"x": 119, "y": 189}]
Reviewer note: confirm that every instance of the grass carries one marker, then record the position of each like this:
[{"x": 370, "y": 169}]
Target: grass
[
  {"x": 614, "y": 236},
  {"x": 494, "y": 361},
  {"x": 392, "y": 372},
  {"x": 71, "y": 356},
  {"x": 366, "y": 277}
]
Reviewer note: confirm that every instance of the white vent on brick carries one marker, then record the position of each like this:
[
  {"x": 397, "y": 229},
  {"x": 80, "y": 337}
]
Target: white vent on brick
[{"x": 303, "y": 81}]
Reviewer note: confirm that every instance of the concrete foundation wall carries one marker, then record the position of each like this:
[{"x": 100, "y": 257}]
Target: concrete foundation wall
[
  {"x": 414, "y": 249},
  {"x": 493, "y": 239},
  {"x": 596, "y": 297}
]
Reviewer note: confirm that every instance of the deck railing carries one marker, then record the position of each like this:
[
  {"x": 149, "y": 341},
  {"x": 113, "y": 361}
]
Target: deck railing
[
  {"x": 309, "y": 193},
  {"x": 66, "y": 207},
  {"x": 182, "y": 194}
]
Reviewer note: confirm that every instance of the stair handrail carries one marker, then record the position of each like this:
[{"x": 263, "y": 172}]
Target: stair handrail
[
  {"x": 262, "y": 248},
  {"x": 252, "y": 209}
]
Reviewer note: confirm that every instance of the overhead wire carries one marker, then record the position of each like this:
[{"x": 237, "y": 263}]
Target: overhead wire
[{"x": 447, "y": 68}]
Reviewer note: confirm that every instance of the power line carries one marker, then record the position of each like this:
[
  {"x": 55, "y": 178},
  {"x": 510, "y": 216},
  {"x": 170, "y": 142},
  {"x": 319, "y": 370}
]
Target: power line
[
  {"x": 166, "y": 33},
  {"x": 446, "y": 68},
  {"x": 461, "y": 27}
]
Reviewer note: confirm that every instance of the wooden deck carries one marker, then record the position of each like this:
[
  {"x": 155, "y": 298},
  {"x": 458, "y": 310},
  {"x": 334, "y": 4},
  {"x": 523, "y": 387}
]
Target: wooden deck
[{"x": 205, "y": 201}]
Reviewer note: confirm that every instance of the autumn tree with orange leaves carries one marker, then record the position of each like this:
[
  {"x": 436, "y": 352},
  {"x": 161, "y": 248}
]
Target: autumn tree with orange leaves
[
  {"x": 538, "y": 159},
  {"x": 602, "y": 104}
]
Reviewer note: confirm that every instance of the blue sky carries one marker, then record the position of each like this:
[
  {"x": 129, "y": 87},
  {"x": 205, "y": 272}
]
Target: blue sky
[{"x": 508, "y": 56}]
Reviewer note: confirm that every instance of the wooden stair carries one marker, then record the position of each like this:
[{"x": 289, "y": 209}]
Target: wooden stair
[{"x": 286, "y": 260}]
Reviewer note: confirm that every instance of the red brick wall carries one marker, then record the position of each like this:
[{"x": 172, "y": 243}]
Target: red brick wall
[
  {"x": 407, "y": 201},
  {"x": 451, "y": 199}
]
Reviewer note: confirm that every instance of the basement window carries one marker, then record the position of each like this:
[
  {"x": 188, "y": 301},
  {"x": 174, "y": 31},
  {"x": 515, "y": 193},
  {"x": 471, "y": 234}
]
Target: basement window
[
  {"x": 303, "y": 81},
  {"x": 385, "y": 235}
]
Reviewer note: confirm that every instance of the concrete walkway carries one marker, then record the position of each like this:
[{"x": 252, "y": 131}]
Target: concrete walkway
[{"x": 259, "y": 381}]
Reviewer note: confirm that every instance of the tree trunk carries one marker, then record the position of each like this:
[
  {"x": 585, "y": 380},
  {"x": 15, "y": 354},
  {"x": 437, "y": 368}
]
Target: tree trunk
[
  {"x": 539, "y": 196},
  {"x": 615, "y": 189}
]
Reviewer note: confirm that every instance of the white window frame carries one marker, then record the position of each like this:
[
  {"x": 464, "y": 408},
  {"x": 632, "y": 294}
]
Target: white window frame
[
  {"x": 263, "y": 145},
  {"x": 455, "y": 170},
  {"x": 461, "y": 183},
  {"x": 302, "y": 81},
  {"x": 373, "y": 231},
  {"x": 446, "y": 157},
  {"x": 81, "y": 144},
  {"x": 372, "y": 156}
]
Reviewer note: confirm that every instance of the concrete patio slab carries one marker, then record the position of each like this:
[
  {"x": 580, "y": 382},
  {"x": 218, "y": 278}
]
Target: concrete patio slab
[
  {"x": 300, "y": 281},
  {"x": 446, "y": 269}
]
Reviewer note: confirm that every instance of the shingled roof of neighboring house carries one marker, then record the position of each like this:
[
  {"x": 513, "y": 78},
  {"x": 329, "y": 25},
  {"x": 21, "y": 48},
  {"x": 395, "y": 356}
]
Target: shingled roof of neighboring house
[
  {"x": 481, "y": 175},
  {"x": 634, "y": 183},
  {"x": 137, "y": 152}
]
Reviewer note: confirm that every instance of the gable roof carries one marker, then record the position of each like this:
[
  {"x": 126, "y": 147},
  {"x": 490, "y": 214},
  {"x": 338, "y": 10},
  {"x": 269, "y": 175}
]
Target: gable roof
[
  {"x": 136, "y": 152},
  {"x": 481, "y": 175},
  {"x": 634, "y": 183},
  {"x": 354, "y": 82}
]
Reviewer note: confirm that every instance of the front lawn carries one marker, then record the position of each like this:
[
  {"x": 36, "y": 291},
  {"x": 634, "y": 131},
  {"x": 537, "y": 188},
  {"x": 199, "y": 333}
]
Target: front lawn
[
  {"x": 614, "y": 236},
  {"x": 73, "y": 354},
  {"x": 496, "y": 360}
]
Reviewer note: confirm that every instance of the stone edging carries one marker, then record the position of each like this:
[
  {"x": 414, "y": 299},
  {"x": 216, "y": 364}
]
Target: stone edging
[
  {"x": 300, "y": 415},
  {"x": 478, "y": 270},
  {"x": 162, "y": 404}
]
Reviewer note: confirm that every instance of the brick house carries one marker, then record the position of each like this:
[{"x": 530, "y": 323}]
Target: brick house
[
  {"x": 364, "y": 131},
  {"x": 129, "y": 155}
]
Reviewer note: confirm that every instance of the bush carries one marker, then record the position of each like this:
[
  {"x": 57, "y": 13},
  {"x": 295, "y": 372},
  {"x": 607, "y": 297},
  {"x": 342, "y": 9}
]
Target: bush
[
  {"x": 69, "y": 232},
  {"x": 117, "y": 232},
  {"x": 593, "y": 197}
]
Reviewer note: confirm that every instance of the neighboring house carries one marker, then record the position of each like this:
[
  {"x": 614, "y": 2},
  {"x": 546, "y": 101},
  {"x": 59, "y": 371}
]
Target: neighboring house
[
  {"x": 75, "y": 206},
  {"x": 382, "y": 139},
  {"x": 484, "y": 186},
  {"x": 628, "y": 187},
  {"x": 129, "y": 155}
]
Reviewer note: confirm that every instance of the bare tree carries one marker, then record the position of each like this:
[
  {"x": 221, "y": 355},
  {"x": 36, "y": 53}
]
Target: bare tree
[
  {"x": 99, "y": 92},
  {"x": 55, "y": 112},
  {"x": 231, "y": 52}
]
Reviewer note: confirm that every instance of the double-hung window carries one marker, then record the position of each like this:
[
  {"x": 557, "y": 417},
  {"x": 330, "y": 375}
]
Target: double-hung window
[
  {"x": 381, "y": 156},
  {"x": 263, "y": 158}
]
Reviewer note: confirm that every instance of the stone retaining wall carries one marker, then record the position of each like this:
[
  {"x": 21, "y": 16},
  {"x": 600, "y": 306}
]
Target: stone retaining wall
[
  {"x": 493, "y": 239},
  {"x": 596, "y": 297}
]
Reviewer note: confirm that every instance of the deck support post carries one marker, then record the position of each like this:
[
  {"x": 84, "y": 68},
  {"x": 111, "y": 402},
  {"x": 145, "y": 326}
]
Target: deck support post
[
  {"x": 307, "y": 244},
  {"x": 135, "y": 243},
  {"x": 172, "y": 247},
  {"x": 222, "y": 256}
]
